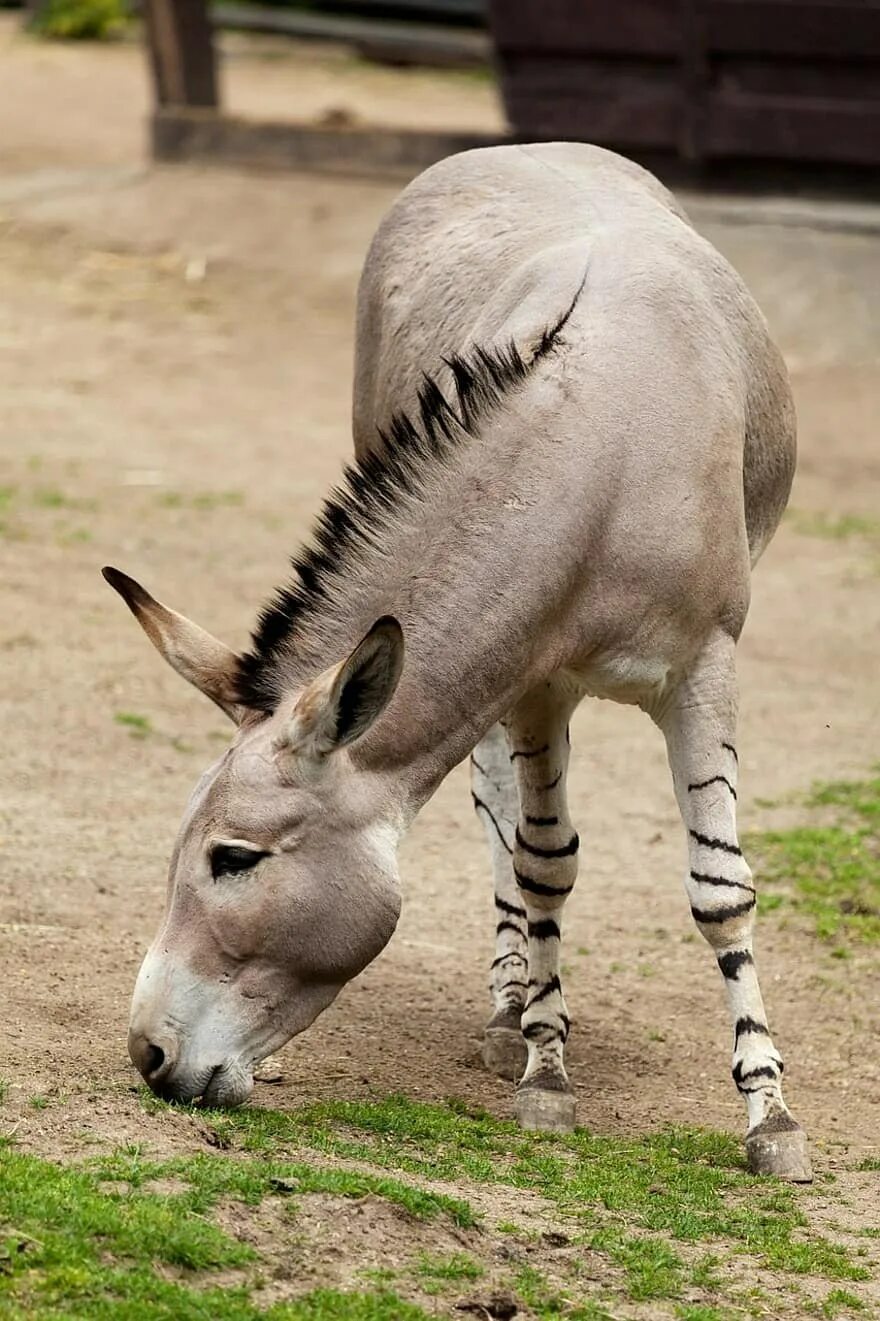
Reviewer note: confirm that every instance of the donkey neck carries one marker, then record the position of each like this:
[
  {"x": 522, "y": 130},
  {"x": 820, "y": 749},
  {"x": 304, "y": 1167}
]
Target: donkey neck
[
  {"x": 460, "y": 578},
  {"x": 439, "y": 528},
  {"x": 456, "y": 567}
]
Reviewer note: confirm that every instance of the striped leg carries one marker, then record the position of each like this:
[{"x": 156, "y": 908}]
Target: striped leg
[
  {"x": 700, "y": 729},
  {"x": 493, "y": 789},
  {"x": 545, "y": 866}
]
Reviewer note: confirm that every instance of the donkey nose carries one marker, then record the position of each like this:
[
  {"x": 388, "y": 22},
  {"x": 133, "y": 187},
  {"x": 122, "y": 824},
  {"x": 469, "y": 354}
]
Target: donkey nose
[{"x": 152, "y": 1060}]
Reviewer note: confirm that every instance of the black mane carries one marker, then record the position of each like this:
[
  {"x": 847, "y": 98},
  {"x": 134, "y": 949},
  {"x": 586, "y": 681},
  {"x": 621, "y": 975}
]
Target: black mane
[{"x": 357, "y": 512}]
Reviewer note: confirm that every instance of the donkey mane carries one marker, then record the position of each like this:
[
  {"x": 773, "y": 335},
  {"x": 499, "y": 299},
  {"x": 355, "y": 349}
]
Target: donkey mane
[{"x": 358, "y": 512}]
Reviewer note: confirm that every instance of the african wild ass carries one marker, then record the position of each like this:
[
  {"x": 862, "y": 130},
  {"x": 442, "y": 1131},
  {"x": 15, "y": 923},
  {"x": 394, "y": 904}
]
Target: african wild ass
[{"x": 574, "y": 437}]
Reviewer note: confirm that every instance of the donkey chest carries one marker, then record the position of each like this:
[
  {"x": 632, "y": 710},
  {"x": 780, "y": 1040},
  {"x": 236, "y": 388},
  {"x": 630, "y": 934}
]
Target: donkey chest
[{"x": 622, "y": 676}]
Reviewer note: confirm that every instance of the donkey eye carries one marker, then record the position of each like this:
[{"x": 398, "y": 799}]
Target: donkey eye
[{"x": 227, "y": 859}]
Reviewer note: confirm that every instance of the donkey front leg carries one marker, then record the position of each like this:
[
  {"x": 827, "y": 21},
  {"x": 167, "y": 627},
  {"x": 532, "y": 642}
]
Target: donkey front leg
[
  {"x": 493, "y": 790},
  {"x": 700, "y": 729},
  {"x": 545, "y": 866}
]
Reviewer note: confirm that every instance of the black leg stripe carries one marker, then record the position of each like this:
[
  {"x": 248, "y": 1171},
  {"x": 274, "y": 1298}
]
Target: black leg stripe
[
  {"x": 545, "y": 788},
  {"x": 744, "y": 1025},
  {"x": 728, "y": 747},
  {"x": 732, "y": 961},
  {"x": 763, "y": 1071},
  {"x": 546, "y": 929},
  {"x": 508, "y": 926},
  {"x": 532, "y": 1030},
  {"x": 511, "y": 954},
  {"x": 709, "y": 843},
  {"x": 513, "y": 910},
  {"x": 537, "y": 852},
  {"x": 535, "y": 887},
  {"x": 703, "y": 879},
  {"x": 526, "y": 753},
  {"x": 548, "y": 988},
  {"x": 480, "y": 806},
  {"x": 716, "y": 915},
  {"x": 542, "y": 820},
  {"x": 715, "y": 779}
]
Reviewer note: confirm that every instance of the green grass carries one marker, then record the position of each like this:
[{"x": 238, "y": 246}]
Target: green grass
[
  {"x": 548, "y": 1302},
  {"x": 204, "y": 500},
  {"x": 457, "y": 1267},
  {"x": 681, "y": 1184},
  {"x": 107, "y": 1239},
  {"x": 833, "y": 527},
  {"x": 438, "y": 1274},
  {"x": 80, "y": 19},
  {"x": 212, "y": 1177},
  {"x": 138, "y": 726},
  {"x": 697, "y": 1312},
  {"x": 96, "y": 1242},
  {"x": 829, "y": 872},
  {"x": 840, "y": 1300},
  {"x": 51, "y": 497}
]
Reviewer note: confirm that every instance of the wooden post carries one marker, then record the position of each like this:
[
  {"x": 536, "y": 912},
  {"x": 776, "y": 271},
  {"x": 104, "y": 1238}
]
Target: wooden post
[{"x": 181, "y": 52}]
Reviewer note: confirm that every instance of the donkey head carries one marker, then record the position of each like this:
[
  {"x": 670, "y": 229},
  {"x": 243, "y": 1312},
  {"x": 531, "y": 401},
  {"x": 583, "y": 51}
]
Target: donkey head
[{"x": 283, "y": 882}]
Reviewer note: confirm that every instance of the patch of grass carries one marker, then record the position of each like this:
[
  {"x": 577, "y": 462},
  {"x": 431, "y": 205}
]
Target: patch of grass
[
  {"x": 331, "y": 1305},
  {"x": 51, "y": 497},
  {"x": 71, "y": 1246},
  {"x": 697, "y": 1312},
  {"x": 78, "y": 536},
  {"x": 831, "y": 873},
  {"x": 437, "y": 1273},
  {"x": 39, "y": 1102},
  {"x": 705, "y": 1273},
  {"x": 683, "y": 1184},
  {"x": 212, "y": 1177},
  {"x": 549, "y": 1303},
  {"x": 63, "y": 1238},
  {"x": 204, "y": 500},
  {"x": 378, "y": 1274},
  {"x": 652, "y": 1268},
  {"x": 138, "y": 726},
  {"x": 840, "y": 1300},
  {"x": 79, "y": 20},
  {"x": 457, "y": 1267},
  {"x": 833, "y": 527}
]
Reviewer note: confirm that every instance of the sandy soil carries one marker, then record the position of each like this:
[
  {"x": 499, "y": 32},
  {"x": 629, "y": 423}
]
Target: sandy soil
[{"x": 174, "y": 397}]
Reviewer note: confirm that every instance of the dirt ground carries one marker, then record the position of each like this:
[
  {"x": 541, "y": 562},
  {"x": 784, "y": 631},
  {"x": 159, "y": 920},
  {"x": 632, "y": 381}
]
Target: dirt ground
[{"x": 174, "y": 399}]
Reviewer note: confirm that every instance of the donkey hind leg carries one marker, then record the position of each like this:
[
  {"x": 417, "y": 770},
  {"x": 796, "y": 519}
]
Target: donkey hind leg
[
  {"x": 700, "y": 728},
  {"x": 545, "y": 866},
  {"x": 493, "y": 790}
]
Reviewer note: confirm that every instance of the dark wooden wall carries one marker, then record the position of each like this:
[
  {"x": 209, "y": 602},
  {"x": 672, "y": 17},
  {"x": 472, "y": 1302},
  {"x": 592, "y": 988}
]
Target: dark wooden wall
[{"x": 791, "y": 80}]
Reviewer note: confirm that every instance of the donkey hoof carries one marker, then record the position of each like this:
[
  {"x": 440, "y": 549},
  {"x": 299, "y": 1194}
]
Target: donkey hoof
[
  {"x": 268, "y": 1070},
  {"x": 779, "y": 1146},
  {"x": 545, "y": 1111},
  {"x": 505, "y": 1052}
]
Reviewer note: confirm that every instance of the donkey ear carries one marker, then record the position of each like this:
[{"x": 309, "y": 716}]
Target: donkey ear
[
  {"x": 204, "y": 662},
  {"x": 342, "y": 703}
]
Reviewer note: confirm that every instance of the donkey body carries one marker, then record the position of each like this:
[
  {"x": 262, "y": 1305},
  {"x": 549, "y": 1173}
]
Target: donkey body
[{"x": 569, "y": 503}]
